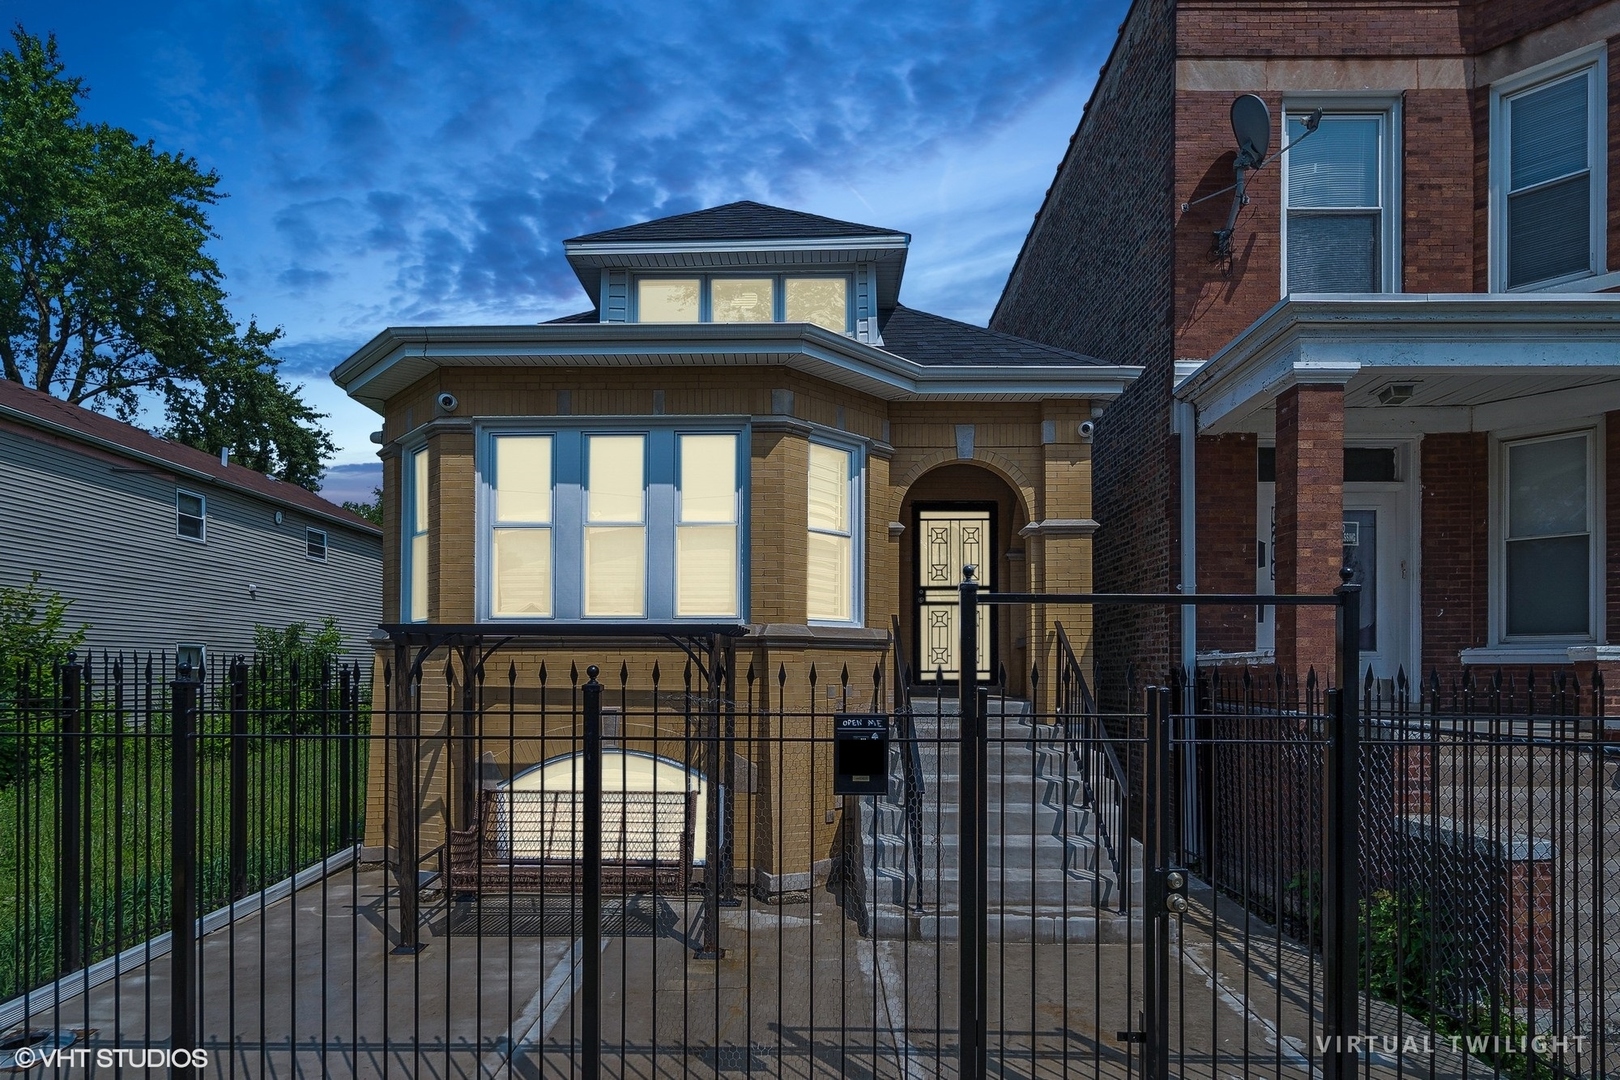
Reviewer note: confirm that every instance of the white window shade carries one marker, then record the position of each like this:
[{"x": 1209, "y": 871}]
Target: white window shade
[
  {"x": 667, "y": 299},
  {"x": 830, "y": 554},
  {"x": 742, "y": 299},
  {"x": 823, "y": 301},
  {"x": 706, "y": 531},
  {"x": 616, "y": 533},
  {"x": 522, "y": 480}
]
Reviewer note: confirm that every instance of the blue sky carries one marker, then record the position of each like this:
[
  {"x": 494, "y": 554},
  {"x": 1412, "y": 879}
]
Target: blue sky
[{"x": 422, "y": 162}]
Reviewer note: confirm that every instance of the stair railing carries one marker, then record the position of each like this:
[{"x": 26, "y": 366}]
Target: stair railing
[
  {"x": 913, "y": 770},
  {"x": 1094, "y": 754}
]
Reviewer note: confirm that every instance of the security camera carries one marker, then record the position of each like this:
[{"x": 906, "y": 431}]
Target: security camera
[
  {"x": 447, "y": 402},
  {"x": 1088, "y": 428}
]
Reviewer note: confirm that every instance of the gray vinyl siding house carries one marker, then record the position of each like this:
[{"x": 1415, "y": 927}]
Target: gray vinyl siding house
[{"x": 102, "y": 511}]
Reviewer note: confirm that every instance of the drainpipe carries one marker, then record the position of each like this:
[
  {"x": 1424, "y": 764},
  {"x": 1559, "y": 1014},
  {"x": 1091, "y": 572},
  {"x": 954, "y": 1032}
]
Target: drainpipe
[{"x": 1184, "y": 422}]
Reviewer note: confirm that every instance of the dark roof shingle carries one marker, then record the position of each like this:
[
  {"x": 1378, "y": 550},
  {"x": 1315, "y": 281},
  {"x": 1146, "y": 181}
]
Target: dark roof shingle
[
  {"x": 738, "y": 221},
  {"x": 70, "y": 419},
  {"x": 934, "y": 339}
]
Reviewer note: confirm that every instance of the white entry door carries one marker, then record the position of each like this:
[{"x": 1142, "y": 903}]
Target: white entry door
[{"x": 1377, "y": 548}]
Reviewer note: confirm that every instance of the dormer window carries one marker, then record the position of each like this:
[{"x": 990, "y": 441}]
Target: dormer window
[{"x": 820, "y": 299}]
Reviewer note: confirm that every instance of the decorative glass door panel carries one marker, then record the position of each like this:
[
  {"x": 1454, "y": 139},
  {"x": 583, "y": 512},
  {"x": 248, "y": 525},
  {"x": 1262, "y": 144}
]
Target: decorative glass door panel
[{"x": 948, "y": 540}]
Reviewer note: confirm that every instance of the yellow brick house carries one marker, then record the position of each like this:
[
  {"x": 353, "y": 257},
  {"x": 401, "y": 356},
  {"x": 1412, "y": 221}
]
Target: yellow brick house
[{"x": 747, "y": 433}]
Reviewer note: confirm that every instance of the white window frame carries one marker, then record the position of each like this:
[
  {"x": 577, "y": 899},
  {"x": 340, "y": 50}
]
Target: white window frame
[
  {"x": 857, "y": 528},
  {"x": 1593, "y": 59},
  {"x": 310, "y": 532},
  {"x": 661, "y": 513},
  {"x": 778, "y": 292},
  {"x": 1593, "y": 430},
  {"x": 1386, "y": 108},
  {"x": 184, "y": 647},
  {"x": 407, "y": 530},
  {"x": 202, "y": 537}
]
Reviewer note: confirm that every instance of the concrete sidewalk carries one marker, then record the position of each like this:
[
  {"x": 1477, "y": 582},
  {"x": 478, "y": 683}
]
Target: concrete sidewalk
[{"x": 312, "y": 986}]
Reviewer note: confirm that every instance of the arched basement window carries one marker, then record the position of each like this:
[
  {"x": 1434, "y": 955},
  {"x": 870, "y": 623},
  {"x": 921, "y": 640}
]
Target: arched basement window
[{"x": 538, "y": 815}]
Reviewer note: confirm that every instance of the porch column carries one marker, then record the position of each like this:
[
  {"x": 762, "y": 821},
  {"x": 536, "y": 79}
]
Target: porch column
[{"x": 1310, "y": 522}]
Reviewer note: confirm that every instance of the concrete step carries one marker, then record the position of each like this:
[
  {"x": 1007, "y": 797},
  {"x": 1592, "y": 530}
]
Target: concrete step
[
  {"x": 1047, "y": 887},
  {"x": 1106, "y": 926}
]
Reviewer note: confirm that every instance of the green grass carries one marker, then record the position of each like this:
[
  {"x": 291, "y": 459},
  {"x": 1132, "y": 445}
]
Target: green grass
[{"x": 293, "y": 789}]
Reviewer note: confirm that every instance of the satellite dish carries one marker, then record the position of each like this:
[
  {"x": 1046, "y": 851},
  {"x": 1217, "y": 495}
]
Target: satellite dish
[{"x": 1251, "y": 124}]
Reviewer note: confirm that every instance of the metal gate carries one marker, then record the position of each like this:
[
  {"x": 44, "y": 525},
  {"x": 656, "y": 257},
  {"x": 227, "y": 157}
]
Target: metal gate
[
  {"x": 719, "y": 863},
  {"x": 1212, "y": 868}
]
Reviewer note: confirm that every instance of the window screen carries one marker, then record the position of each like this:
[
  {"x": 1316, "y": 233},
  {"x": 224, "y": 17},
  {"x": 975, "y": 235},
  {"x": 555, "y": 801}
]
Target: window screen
[{"x": 191, "y": 516}]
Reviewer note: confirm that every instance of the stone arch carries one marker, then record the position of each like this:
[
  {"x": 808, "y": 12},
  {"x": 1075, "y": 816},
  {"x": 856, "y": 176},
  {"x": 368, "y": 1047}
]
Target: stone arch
[{"x": 1008, "y": 470}]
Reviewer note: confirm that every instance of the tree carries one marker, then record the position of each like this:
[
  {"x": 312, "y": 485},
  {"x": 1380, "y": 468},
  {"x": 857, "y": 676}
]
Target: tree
[
  {"x": 106, "y": 291},
  {"x": 371, "y": 510}
]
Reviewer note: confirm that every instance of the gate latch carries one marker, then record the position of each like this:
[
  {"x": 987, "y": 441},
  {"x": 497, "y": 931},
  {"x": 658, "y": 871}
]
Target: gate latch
[{"x": 1130, "y": 1036}]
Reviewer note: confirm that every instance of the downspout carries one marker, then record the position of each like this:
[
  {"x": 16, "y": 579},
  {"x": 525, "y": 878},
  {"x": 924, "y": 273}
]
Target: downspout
[{"x": 1184, "y": 422}]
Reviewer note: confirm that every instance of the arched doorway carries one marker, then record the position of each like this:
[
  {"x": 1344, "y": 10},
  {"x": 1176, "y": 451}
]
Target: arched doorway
[
  {"x": 622, "y": 770},
  {"x": 954, "y": 514}
]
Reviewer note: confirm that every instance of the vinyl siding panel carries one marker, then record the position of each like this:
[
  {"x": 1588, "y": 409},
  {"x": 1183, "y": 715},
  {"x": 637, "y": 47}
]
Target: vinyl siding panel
[{"x": 101, "y": 531}]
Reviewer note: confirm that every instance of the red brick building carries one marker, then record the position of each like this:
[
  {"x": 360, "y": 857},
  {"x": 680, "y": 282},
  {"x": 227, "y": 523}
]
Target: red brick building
[{"x": 1405, "y": 357}]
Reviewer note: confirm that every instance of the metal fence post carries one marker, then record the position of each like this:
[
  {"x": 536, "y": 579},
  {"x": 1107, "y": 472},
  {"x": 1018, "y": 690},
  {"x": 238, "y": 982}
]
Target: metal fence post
[
  {"x": 72, "y": 850},
  {"x": 348, "y": 706},
  {"x": 407, "y": 718},
  {"x": 1156, "y": 915},
  {"x": 1340, "y": 882},
  {"x": 239, "y": 777},
  {"x": 591, "y": 936},
  {"x": 183, "y": 867},
  {"x": 972, "y": 921}
]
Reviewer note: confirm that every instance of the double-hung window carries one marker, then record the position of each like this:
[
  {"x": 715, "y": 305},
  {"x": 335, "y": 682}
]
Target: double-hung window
[
  {"x": 1548, "y": 150},
  {"x": 821, "y": 299},
  {"x": 1339, "y": 223},
  {"x": 1547, "y": 551},
  {"x": 413, "y": 578},
  {"x": 593, "y": 523},
  {"x": 832, "y": 580},
  {"x": 190, "y": 516}
]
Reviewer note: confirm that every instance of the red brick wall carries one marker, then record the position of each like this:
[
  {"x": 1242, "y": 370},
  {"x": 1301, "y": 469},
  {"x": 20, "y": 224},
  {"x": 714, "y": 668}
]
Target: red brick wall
[
  {"x": 1438, "y": 220},
  {"x": 1310, "y": 522},
  {"x": 1455, "y": 578},
  {"x": 1227, "y": 535}
]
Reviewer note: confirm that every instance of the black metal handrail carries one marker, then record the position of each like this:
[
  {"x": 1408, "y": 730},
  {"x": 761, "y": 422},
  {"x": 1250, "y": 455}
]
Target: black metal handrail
[
  {"x": 913, "y": 760},
  {"x": 1079, "y": 706}
]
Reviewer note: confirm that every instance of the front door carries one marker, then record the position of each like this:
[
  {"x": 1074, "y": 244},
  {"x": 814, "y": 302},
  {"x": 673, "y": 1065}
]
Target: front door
[
  {"x": 1375, "y": 545},
  {"x": 949, "y": 538}
]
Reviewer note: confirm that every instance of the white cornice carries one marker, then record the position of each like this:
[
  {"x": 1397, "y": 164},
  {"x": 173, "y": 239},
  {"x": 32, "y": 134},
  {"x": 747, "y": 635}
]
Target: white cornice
[
  {"x": 400, "y": 356},
  {"x": 1331, "y": 339},
  {"x": 619, "y": 248}
]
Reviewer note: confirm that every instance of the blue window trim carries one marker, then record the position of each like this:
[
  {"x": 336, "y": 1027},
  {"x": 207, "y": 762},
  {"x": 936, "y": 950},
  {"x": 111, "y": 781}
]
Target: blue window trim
[
  {"x": 778, "y": 291},
  {"x": 856, "y": 448},
  {"x": 569, "y": 466}
]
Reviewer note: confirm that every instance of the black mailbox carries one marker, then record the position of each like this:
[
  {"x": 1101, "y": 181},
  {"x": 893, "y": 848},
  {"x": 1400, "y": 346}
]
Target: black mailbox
[{"x": 860, "y": 754}]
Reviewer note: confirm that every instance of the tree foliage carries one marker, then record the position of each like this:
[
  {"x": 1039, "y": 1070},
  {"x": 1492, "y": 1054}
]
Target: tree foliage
[
  {"x": 371, "y": 510},
  {"x": 107, "y": 293}
]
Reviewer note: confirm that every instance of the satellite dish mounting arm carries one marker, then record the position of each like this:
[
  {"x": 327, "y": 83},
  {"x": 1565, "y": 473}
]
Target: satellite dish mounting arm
[{"x": 1251, "y": 123}]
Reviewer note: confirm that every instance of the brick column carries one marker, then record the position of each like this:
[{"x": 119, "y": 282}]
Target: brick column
[{"x": 1310, "y": 522}]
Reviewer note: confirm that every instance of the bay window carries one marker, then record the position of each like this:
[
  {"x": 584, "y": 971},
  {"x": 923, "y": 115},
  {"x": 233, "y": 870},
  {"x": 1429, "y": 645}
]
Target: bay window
[
  {"x": 414, "y": 550},
  {"x": 832, "y": 578},
  {"x": 1547, "y": 538},
  {"x": 582, "y": 524}
]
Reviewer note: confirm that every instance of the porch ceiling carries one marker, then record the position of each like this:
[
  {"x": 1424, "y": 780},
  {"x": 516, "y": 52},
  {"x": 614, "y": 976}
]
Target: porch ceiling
[{"x": 1474, "y": 362}]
